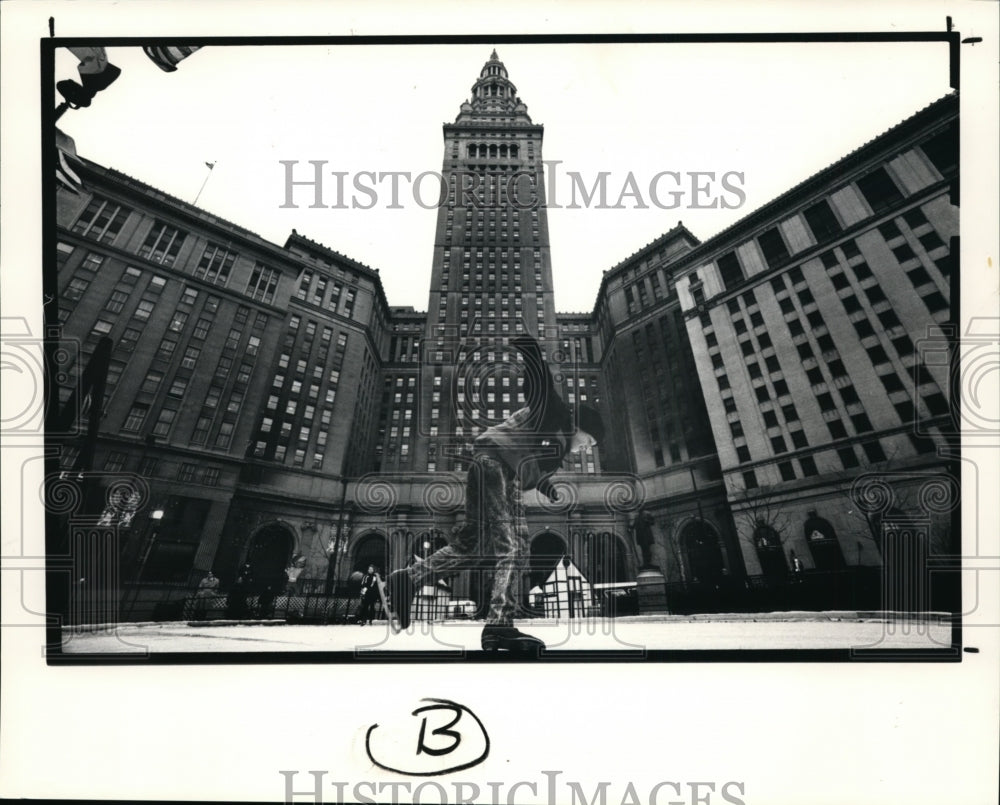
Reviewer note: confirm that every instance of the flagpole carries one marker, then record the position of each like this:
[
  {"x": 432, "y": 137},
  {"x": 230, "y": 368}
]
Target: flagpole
[{"x": 210, "y": 165}]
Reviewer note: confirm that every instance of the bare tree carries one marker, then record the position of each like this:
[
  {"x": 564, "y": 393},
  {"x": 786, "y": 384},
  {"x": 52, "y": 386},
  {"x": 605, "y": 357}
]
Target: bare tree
[
  {"x": 671, "y": 545},
  {"x": 760, "y": 515}
]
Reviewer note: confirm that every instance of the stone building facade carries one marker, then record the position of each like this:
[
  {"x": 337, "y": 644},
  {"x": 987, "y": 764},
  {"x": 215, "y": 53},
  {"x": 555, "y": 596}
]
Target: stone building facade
[{"x": 274, "y": 407}]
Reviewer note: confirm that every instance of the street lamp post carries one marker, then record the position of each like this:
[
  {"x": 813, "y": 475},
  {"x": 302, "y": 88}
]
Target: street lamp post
[
  {"x": 332, "y": 585},
  {"x": 425, "y": 600},
  {"x": 155, "y": 517}
]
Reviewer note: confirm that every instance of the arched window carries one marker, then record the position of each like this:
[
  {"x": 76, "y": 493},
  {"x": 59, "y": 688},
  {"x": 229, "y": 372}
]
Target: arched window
[
  {"x": 701, "y": 551},
  {"x": 547, "y": 548},
  {"x": 372, "y": 549},
  {"x": 823, "y": 544},
  {"x": 269, "y": 553},
  {"x": 770, "y": 554}
]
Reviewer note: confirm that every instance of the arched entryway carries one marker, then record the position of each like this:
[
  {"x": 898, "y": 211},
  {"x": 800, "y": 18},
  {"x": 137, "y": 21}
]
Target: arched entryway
[
  {"x": 371, "y": 549},
  {"x": 823, "y": 544},
  {"x": 268, "y": 555},
  {"x": 702, "y": 553},
  {"x": 770, "y": 553},
  {"x": 547, "y": 548}
]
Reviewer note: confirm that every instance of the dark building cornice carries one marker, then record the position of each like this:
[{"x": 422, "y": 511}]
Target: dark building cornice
[
  {"x": 315, "y": 247},
  {"x": 143, "y": 193}
]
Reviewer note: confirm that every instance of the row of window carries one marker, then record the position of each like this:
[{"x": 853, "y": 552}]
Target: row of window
[
  {"x": 485, "y": 151},
  {"x": 102, "y": 220},
  {"x": 879, "y": 190},
  {"x": 152, "y": 467}
]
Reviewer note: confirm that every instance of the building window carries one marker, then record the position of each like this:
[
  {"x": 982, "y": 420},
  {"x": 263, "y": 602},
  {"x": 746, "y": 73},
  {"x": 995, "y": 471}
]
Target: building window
[
  {"x": 190, "y": 359},
  {"x": 879, "y": 190},
  {"x": 166, "y": 350},
  {"x": 936, "y": 404},
  {"x": 101, "y": 221},
  {"x": 730, "y": 270},
  {"x": 115, "y": 302},
  {"x": 144, "y": 309},
  {"x": 942, "y": 150},
  {"x": 162, "y": 244},
  {"x": 215, "y": 264},
  {"x": 822, "y": 220},
  {"x": 115, "y": 462},
  {"x": 151, "y": 382},
  {"x": 136, "y": 417},
  {"x": 225, "y": 434},
  {"x": 77, "y": 287},
  {"x": 129, "y": 339},
  {"x": 178, "y": 321},
  {"x": 935, "y": 302},
  {"x": 304, "y": 283},
  {"x": 861, "y": 423},
  {"x": 873, "y": 450},
  {"x": 774, "y": 248},
  {"x": 187, "y": 472},
  {"x": 826, "y": 402},
  {"x": 848, "y": 458},
  {"x": 164, "y": 421},
  {"x": 263, "y": 284}
]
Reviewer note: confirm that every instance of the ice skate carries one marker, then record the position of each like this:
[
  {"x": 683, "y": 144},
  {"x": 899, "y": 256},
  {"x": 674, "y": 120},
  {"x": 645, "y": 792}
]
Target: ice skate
[{"x": 509, "y": 639}]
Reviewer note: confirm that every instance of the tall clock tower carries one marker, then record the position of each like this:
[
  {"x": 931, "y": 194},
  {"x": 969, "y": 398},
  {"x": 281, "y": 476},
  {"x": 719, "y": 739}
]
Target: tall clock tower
[{"x": 492, "y": 271}]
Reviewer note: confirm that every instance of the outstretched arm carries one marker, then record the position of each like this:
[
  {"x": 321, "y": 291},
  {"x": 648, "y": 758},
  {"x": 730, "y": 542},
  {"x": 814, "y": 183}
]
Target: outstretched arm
[{"x": 537, "y": 380}]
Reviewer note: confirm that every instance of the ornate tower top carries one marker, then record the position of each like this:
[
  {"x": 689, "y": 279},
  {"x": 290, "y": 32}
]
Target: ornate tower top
[{"x": 493, "y": 96}]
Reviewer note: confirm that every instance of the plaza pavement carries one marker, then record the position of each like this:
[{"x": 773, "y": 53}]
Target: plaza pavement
[{"x": 624, "y": 638}]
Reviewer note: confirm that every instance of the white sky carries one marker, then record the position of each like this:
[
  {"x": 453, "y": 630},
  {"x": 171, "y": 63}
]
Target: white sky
[{"x": 775, "y": 112}]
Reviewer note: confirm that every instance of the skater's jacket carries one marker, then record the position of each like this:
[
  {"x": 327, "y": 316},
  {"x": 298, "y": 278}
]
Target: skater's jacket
[{"x": 534, "y": 440}]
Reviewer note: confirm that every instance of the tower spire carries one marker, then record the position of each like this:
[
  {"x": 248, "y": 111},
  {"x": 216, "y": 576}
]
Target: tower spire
[{"x": 493, "y": 95}]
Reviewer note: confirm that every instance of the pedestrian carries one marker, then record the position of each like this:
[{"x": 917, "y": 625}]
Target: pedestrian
[
  {"x": 515, "y": 456},
  {"x": 293, "y": 571},
  {"x": 236, "y": 601},
  {"x": 268, "y": 590},
  {"x": 369, "y": 592},
  {"x": 208, "y": 588}
]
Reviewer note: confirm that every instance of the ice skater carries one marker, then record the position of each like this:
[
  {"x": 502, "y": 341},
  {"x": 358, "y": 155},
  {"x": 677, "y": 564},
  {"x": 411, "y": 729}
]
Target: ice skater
[
  {"x": 369, "y": 594},
  {"x": 518, "y": 455}
]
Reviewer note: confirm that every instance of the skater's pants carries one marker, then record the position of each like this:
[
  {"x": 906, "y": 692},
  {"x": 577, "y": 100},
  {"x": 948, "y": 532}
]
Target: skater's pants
[
  {"x": 493, "y": 537},
  {"x": 367, "y": 604}
]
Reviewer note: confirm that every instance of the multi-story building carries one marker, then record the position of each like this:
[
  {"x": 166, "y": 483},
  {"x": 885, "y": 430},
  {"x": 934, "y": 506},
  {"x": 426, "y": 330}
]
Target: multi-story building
[
  {"x": 820, "y": 326},
  {"x": 280, "y": 410}
]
